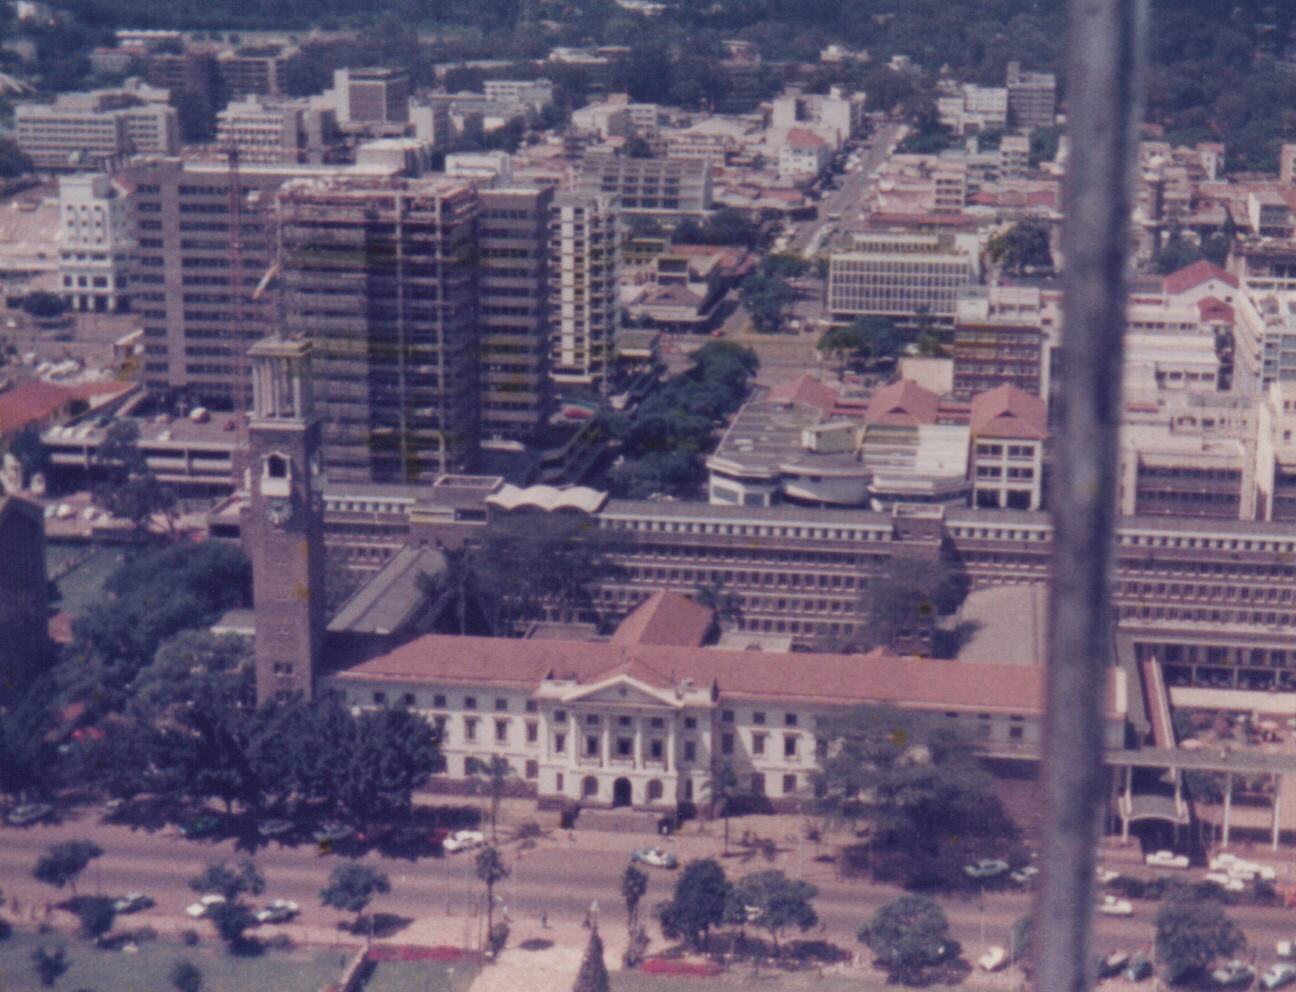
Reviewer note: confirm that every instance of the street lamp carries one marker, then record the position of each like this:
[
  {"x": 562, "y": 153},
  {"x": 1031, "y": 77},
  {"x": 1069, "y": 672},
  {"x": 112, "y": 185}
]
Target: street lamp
[{"x": 593, "y": 911}]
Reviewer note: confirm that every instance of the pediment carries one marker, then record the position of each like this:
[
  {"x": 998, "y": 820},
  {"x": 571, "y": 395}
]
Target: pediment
[{"x": 623, "y": 690}]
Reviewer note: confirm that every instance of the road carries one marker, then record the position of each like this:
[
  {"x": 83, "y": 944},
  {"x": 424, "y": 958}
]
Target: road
[{"x": 560, "y": 877}]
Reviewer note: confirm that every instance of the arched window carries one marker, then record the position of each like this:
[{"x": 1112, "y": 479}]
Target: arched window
[
  {"x": 277, "y": 467},
  {"x": 589, "y": 787},
  {"x": 654, "y": 790}
]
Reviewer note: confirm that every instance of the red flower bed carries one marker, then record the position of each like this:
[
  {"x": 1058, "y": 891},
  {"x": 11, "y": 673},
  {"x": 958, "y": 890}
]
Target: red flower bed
[
  {"x": 664, "y": 966},
  {"x": 388, "y": 952}
]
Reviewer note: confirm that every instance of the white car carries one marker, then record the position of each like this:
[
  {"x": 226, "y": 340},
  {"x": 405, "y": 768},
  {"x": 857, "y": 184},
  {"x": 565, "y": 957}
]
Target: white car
[
  {"x": 993, "y": 959},
  {"x": 654, "y": 857},
  {"x": 985, "y": 868},
  {"x": 1225, "y": 881},
  {"x": 463, "y": 840},
  {"x": 1166, "y": 859},
  {"x": 1106, "y": 875},
  {"x": 1022, "y": 876},
  {"x": 1233, "y": 973},
  {"x": 277, "y": 911},
  {"x": 200, "y": 908},
  {"x": 1111, "y": 906},
  {"x": 1278, "y": 975},
  {"x": 1286, "y": 948},
  {"x": 132, "y": 902}
]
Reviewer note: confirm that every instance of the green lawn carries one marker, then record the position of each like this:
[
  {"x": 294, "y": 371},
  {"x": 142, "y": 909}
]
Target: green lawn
[
  {"x": 83, "y": 586},
  {"x": 421, "y": 976},
  {"x": 768, "y": 981},
  {"x": 304, "y": 970}
]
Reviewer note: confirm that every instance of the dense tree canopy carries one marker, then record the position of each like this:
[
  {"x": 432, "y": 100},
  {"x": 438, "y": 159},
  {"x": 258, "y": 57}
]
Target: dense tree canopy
[
  {"x": 700, "y": 902},
  {"x": 664, "y": 439},
  {"x": 1191, "y": 934},
  {"x": 907, "y": 936}
]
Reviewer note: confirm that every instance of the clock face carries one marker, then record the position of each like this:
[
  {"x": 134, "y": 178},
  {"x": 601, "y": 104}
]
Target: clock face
[{"x": 279, "y": 511}]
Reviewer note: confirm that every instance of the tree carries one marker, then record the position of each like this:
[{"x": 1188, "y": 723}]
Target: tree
[
  {"x": 725, "y": 605},
  {"x": 1023, "y": 247},
  {"x": 766, "y": 298},
  {"x": 130, "y": 491},
  {"x": 1021, "y": 941},
  {"x": 634, "y": 883},
  {"x": 96, "y": 915},
  {"x": 905, "y": 598},
  {"x": 1191, "y": 934},
  {"x": 496, "y": 774},
  {"x": 702, "y": 895},
  {"x": 231, "y": 920},
  {"x": 593, "y": 974},
  {"x": 30, "y": 451},
  {"x": 774, "y": 902},
  {"x": 64, "y": 862},
  {"x": 723, "y": 787},
  {"x": 43, "y": 306},
  {"x": 384, "y": 756},
  {"x": 13, "y": 160},
  {"x": 230, "y": 881},
  {"x": 907, "y": 935},
  {"x": 350, "y": 889},
  {"x": 917, "y": 783},
  {"x": 49, "y": 964},
  {"x": 186, "y": 977},
  {"x": 491, "y": 870}
]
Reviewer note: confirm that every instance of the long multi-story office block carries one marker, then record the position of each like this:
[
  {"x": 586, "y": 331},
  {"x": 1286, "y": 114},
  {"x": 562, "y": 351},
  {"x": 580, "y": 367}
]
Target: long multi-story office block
[
  {"x": 585, "y": 258},
  {"x": 902, "y": 275},
  {"x": 382, "y": 275},
  {"x": 88, "y": 130},
  {"x": 513, "y": 235},
  {"x": 274, "y": 132},
  {"x": 672, "y": 189}
]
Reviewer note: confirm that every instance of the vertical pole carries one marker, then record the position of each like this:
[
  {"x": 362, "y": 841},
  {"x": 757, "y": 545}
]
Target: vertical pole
[
  {"x": 1277, "y": 810},
  {"x": 1102, "y": 85},
  {"x": 1228, "y": 806}
]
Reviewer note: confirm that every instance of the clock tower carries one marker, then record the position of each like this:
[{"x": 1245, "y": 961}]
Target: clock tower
[{"x": 282, "y": 520}]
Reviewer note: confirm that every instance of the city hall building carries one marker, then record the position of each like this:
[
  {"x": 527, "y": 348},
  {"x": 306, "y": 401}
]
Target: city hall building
[{"x": 644, "y": 718}]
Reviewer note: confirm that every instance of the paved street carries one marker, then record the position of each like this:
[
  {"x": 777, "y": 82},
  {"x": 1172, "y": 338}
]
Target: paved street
[{"x": 560, "y": 877}]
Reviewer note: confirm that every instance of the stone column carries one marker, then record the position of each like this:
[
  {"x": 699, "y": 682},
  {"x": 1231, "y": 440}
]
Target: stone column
[
  {"x": 638, "y": 743},
  {"x": 1228, "y": 805}
]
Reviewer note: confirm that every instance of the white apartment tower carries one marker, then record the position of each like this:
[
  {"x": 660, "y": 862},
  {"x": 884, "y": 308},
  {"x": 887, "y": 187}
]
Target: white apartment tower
[
  {"x": 584, "y": 258},
  {"x": 94, "y": 243}
]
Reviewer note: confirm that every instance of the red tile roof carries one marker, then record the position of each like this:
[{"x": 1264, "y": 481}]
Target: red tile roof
[
  {"x": 827, "y": 679},
  {"x": 1213, "y": 308},
  {"x": 665, "y": 618},
  {"x": 1008, "y": 412},
  {"x": 903, "y": 404},
  {"x": 30, "y": 402},
  {"x": 799, "y": 137},
  {"x": 1194, "y": 275},
  {"x": 808, "y": 390}
]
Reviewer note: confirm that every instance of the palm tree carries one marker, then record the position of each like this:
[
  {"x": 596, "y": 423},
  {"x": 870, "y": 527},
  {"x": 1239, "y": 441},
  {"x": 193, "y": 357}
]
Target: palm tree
[
  {"x": 724, "y": 604},
  {"x": 456, "y": 583},
  {"x": 491, "y": 870},
  {"x": 496, "y": 775},
  {"x": 723, "y": 787}
]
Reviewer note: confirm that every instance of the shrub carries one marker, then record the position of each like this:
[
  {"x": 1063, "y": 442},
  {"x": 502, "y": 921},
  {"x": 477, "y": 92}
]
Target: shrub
[
  {"x": 190, "y": 938},
  {"x": 186, "y": 977},
  {"x": 497, "y": 939}
]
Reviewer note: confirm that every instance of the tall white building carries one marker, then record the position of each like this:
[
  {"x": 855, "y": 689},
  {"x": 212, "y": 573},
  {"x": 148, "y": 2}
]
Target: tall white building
[
  {"x": 584, "y": 259},
  {"x": 902, "y": 275},
  {"x": 94, "y": 243}
]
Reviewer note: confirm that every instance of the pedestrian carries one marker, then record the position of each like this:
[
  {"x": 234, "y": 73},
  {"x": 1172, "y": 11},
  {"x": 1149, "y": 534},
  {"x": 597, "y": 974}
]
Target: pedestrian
[{"x": 544, "y": 919}]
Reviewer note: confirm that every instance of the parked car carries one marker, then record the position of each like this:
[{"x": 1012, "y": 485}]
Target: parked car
[
  {"x": 1226, "y": 881},
  {"x": 655, "y": 857},
  {"x": 1278, "y": 975},
  {"x": 274, "y": 828},
  {"x": 1023, "y": 875},
  {"x": 114, "y": 806},
  {"x": 331, "y": 831},
  {"x": 985, "y": 868},
  {"x": 993, "y": 959},
  {"x": 1110, "y": 965},
  {"x": 132, "y": 902},
  {"x": 200, "y": 826},
  {"x": 1166, "y": 859},
  {"x": 277, "y": 911},
  {"x": 1111, "y": 906},
  {"x": 1286, "y": 948},
  {"x": 1234, "y": 973},
  {"x": 28, "y": 813},
  {"x": 1139, "y": 969},
  {"x": 1106, "y": 875},
  {"x": 199, "y": 909},
  {"x": 463, "y": 840}
]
